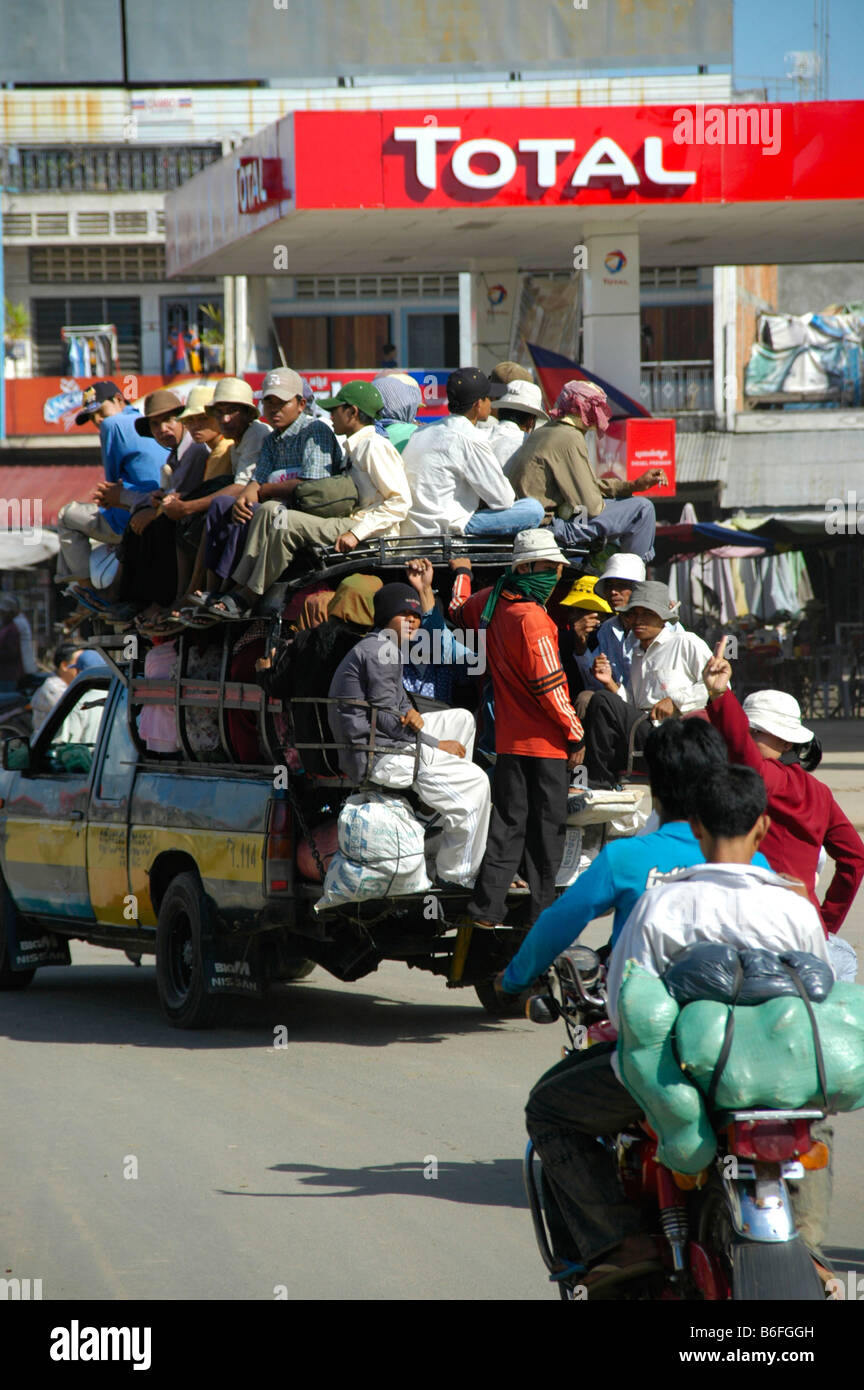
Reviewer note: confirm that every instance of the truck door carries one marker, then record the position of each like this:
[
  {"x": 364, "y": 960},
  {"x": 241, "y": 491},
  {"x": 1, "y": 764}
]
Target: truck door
[
  {"x": 108, "y": 822},
  {"x": 45, "y": 859}
]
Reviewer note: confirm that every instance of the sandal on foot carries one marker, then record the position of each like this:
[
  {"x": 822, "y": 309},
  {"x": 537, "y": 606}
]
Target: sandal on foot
[{"x": 230, "y": 609}]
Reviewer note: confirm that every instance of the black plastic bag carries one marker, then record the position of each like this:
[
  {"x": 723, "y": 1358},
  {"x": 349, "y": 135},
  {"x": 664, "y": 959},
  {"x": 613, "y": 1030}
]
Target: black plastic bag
[{"x": 710, "y": 971}]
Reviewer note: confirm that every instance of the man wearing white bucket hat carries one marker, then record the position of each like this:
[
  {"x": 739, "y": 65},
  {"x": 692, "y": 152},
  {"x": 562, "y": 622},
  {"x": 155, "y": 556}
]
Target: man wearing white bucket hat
[
  {"x": 516, "y": 414},
  {"x": 767, "y": 734}
]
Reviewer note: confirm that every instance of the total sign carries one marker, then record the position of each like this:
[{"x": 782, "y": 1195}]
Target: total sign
[
  {"x": 604, "y": 158},
  {"x": 259, "y": 183},
  {"x": 558, "y": 156}
]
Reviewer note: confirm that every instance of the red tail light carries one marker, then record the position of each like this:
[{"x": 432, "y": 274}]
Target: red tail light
[
  {"x": 773, "y": 1141},
  {"x": 279, "y": 866}
]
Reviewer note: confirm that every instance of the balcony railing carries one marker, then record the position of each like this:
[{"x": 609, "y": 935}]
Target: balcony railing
[
  {"x": 103, "y": 168},
  {"x": 677, "y": 388}
]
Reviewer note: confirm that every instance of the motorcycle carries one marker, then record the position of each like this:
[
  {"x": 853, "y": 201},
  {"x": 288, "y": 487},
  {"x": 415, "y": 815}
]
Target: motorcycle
[{"x": 726, "y": 1233}]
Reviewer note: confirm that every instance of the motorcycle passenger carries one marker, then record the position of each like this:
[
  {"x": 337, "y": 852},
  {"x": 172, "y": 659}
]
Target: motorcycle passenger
[
  {"x": 727, "y": 900},
  {"x": 678, "y": 754}
]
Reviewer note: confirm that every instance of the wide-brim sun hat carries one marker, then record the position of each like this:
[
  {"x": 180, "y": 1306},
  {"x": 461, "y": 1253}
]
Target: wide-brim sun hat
[
  {"x": 523, "y": 396},
  {"x": 622, "y": 566},
  {"x": 538, "y": 543},
  {"x": 584, "y": 595},
  {"x": 776, "y": 712},
  {"x": 197, "y": 401},
  {"x": 656, "y": 598},
  {"x": 232, "y": 390},
  {"x": 161, "y": 402}
]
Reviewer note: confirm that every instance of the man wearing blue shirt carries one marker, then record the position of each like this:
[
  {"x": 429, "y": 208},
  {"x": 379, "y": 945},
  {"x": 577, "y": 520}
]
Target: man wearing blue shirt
[
  {"x": 678, "y": 753},
  {"x": 132, "y": 471}
]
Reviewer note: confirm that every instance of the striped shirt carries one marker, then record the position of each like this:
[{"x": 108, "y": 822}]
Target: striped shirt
[
  {"x": 306, "y": 449},
  {"x": 533, "y": 714}
]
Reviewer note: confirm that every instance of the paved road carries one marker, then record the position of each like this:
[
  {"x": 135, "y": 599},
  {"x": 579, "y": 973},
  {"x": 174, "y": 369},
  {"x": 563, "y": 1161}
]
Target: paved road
[{"x": 303, "y": 1166}]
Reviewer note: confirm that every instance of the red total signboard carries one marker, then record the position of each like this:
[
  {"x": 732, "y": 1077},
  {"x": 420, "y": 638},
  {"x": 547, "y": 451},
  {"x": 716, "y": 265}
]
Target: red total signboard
[{"x": 517, "y": 156}]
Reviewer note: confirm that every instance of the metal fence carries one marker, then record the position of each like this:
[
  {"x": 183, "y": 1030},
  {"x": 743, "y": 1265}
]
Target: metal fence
[
  {"x": 677, "y": 388},
  {"x": 103, "y": 168}
]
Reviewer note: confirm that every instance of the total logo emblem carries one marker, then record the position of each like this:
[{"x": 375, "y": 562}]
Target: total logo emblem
[{"x": 615, "y": 262}]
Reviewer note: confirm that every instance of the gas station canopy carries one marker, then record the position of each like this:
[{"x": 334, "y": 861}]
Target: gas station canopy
[{"x": 446, "y": 190}]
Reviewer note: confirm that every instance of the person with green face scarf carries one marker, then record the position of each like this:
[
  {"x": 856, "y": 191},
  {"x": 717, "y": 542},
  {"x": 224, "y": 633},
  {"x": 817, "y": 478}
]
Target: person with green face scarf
[{"x": 536, "y": 733}]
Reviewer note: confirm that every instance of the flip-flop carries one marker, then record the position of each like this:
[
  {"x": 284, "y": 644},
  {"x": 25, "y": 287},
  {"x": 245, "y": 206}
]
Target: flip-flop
[
  {"x": 191, "y": 617},
  {"x": 204, "y": 599},
  {"x": 229, "y": 609}
]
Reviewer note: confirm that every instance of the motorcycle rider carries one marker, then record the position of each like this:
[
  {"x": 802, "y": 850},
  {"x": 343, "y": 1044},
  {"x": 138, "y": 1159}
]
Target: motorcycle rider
[
  {"x": 727, "y": 899},
  {"x": 678, "y": 754}
]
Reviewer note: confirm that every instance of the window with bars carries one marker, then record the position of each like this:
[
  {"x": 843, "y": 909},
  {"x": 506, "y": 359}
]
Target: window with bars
[
  {"x": 50, "y": 315},
  {"x": 104, "y": 168},
  {"x": 82, "y": 265}
]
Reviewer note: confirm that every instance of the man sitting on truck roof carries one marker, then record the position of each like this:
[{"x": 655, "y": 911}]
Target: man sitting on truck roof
[
  {"x": 276, "y": 534},
  {"x": 430, "y": 752}
]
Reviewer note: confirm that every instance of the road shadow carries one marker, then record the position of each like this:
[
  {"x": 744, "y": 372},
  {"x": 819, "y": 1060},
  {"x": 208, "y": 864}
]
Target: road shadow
[
  {"x": 497, "y": 1183},
  {"x": 118, "y": 1005}
]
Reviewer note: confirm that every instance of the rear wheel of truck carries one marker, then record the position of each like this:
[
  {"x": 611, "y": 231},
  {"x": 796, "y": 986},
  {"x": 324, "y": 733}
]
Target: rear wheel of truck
[
  {"x": 9, "y": 979},
  {"x": 297, "y": 969},
  {"x": 183, "y": 916}
]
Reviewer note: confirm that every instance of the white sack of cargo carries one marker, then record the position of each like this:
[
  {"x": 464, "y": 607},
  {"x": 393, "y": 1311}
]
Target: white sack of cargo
[{"x": 381, "y": 852}]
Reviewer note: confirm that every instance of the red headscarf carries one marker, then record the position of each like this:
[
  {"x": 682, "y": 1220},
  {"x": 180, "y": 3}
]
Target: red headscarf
[{"x": 586, "y": 400}]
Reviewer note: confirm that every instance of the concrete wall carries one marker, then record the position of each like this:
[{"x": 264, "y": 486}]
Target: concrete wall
[{"x": 804, "y": 289}]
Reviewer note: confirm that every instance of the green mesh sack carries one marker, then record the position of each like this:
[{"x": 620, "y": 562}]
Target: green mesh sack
[
  {"x": 673, "y": 1106},
  {"x": 772, "y": 1061}
]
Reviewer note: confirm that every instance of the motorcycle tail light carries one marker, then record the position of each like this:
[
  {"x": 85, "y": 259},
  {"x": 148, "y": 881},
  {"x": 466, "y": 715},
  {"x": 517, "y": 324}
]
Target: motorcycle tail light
[
  {"x": 817, "y": 1157},
  {"x": 773, "y": 1141}
]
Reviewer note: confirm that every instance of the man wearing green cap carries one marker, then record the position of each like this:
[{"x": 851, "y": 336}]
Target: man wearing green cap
[{"x": 383, "y": 498}]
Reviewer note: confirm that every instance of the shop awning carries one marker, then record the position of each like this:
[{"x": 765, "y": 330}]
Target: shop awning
[{"x": 694, "y": 538}]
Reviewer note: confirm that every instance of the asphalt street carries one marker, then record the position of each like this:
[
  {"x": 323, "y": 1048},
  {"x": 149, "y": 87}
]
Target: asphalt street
[{"x": 375, "y": 1156}]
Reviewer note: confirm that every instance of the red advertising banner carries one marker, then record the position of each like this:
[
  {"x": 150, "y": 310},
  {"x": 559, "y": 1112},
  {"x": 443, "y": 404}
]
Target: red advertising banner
[
  {"x": 47, "y": 405},
  {"x": 651, "y": 444},
  {"x": 518, "y": 156}
]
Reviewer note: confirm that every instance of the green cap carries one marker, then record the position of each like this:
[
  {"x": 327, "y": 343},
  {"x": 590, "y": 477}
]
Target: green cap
[{"x": 362, "y": 394}]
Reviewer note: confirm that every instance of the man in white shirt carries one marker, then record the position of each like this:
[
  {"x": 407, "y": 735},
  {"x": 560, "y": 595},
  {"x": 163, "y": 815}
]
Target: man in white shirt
[
  {"x": 277, "y": 533},
  {"x": 725, "y": 900},
  {"x": 517, "y": 413},
  {"x": 452, "y": 470},
  {"x": 664, "y": 680}
]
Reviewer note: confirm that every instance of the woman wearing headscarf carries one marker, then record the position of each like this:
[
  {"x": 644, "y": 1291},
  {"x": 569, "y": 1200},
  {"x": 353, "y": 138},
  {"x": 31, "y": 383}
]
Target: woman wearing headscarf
[
  {"x": 305, "y": 665},
  {"x": 402, "y": 399},
  {"x": 553, "y": 466}
]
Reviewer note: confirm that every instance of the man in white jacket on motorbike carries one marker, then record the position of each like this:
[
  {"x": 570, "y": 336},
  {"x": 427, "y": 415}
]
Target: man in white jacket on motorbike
[{"x": 725, "y": 900}]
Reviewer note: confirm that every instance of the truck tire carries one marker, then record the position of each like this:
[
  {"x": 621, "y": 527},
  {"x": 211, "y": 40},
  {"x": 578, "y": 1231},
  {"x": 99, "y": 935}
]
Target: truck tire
[
  {"x": 184, "y": 914},
  {"x": 9, "y": 979},
  {"x": 496, "y": 1007},
  {"x": 297, "y": 970}
]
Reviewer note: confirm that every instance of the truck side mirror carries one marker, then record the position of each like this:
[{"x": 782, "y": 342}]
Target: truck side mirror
[{"x": 15, "y": 754}]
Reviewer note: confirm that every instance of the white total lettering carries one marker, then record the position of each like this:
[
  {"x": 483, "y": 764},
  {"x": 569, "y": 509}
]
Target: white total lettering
[
  {"x": 463, "y": 154},
  {"x": 426, "y": 140},
  {"x": 654, "y": 165},
  {"x": 547, "y": 152},
  {"x": 605, "y": 159}
]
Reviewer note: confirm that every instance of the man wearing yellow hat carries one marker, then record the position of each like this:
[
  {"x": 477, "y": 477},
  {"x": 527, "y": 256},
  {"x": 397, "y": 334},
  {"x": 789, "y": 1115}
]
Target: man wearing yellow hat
[{"x": 590, "y": 610}]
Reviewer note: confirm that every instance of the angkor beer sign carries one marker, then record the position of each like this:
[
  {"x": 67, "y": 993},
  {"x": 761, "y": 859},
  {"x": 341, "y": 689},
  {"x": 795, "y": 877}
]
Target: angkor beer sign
[{"x": 259, "y": 183}]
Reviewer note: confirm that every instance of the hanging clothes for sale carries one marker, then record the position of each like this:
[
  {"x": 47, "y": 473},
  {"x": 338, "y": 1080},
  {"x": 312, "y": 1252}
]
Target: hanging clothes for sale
[{"x": 90, "y": 350}]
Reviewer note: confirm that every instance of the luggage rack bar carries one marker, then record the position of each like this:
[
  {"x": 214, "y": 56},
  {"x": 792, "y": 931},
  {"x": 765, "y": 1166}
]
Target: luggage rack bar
[{"x": 392, "y": 553}]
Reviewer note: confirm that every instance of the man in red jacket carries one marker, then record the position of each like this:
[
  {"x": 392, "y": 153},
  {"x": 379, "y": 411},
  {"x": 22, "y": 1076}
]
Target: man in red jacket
[
  {"x": 536, "y": 732},
  {"x": 804, "y": 814}
]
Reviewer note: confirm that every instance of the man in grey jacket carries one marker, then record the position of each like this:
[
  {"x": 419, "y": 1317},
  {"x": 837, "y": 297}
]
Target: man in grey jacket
[{"x": 430, "y": 752}]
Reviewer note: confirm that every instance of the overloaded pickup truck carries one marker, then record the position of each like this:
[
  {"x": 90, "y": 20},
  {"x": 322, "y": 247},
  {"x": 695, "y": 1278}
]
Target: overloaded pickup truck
[{"x": 212, "y": 866}]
